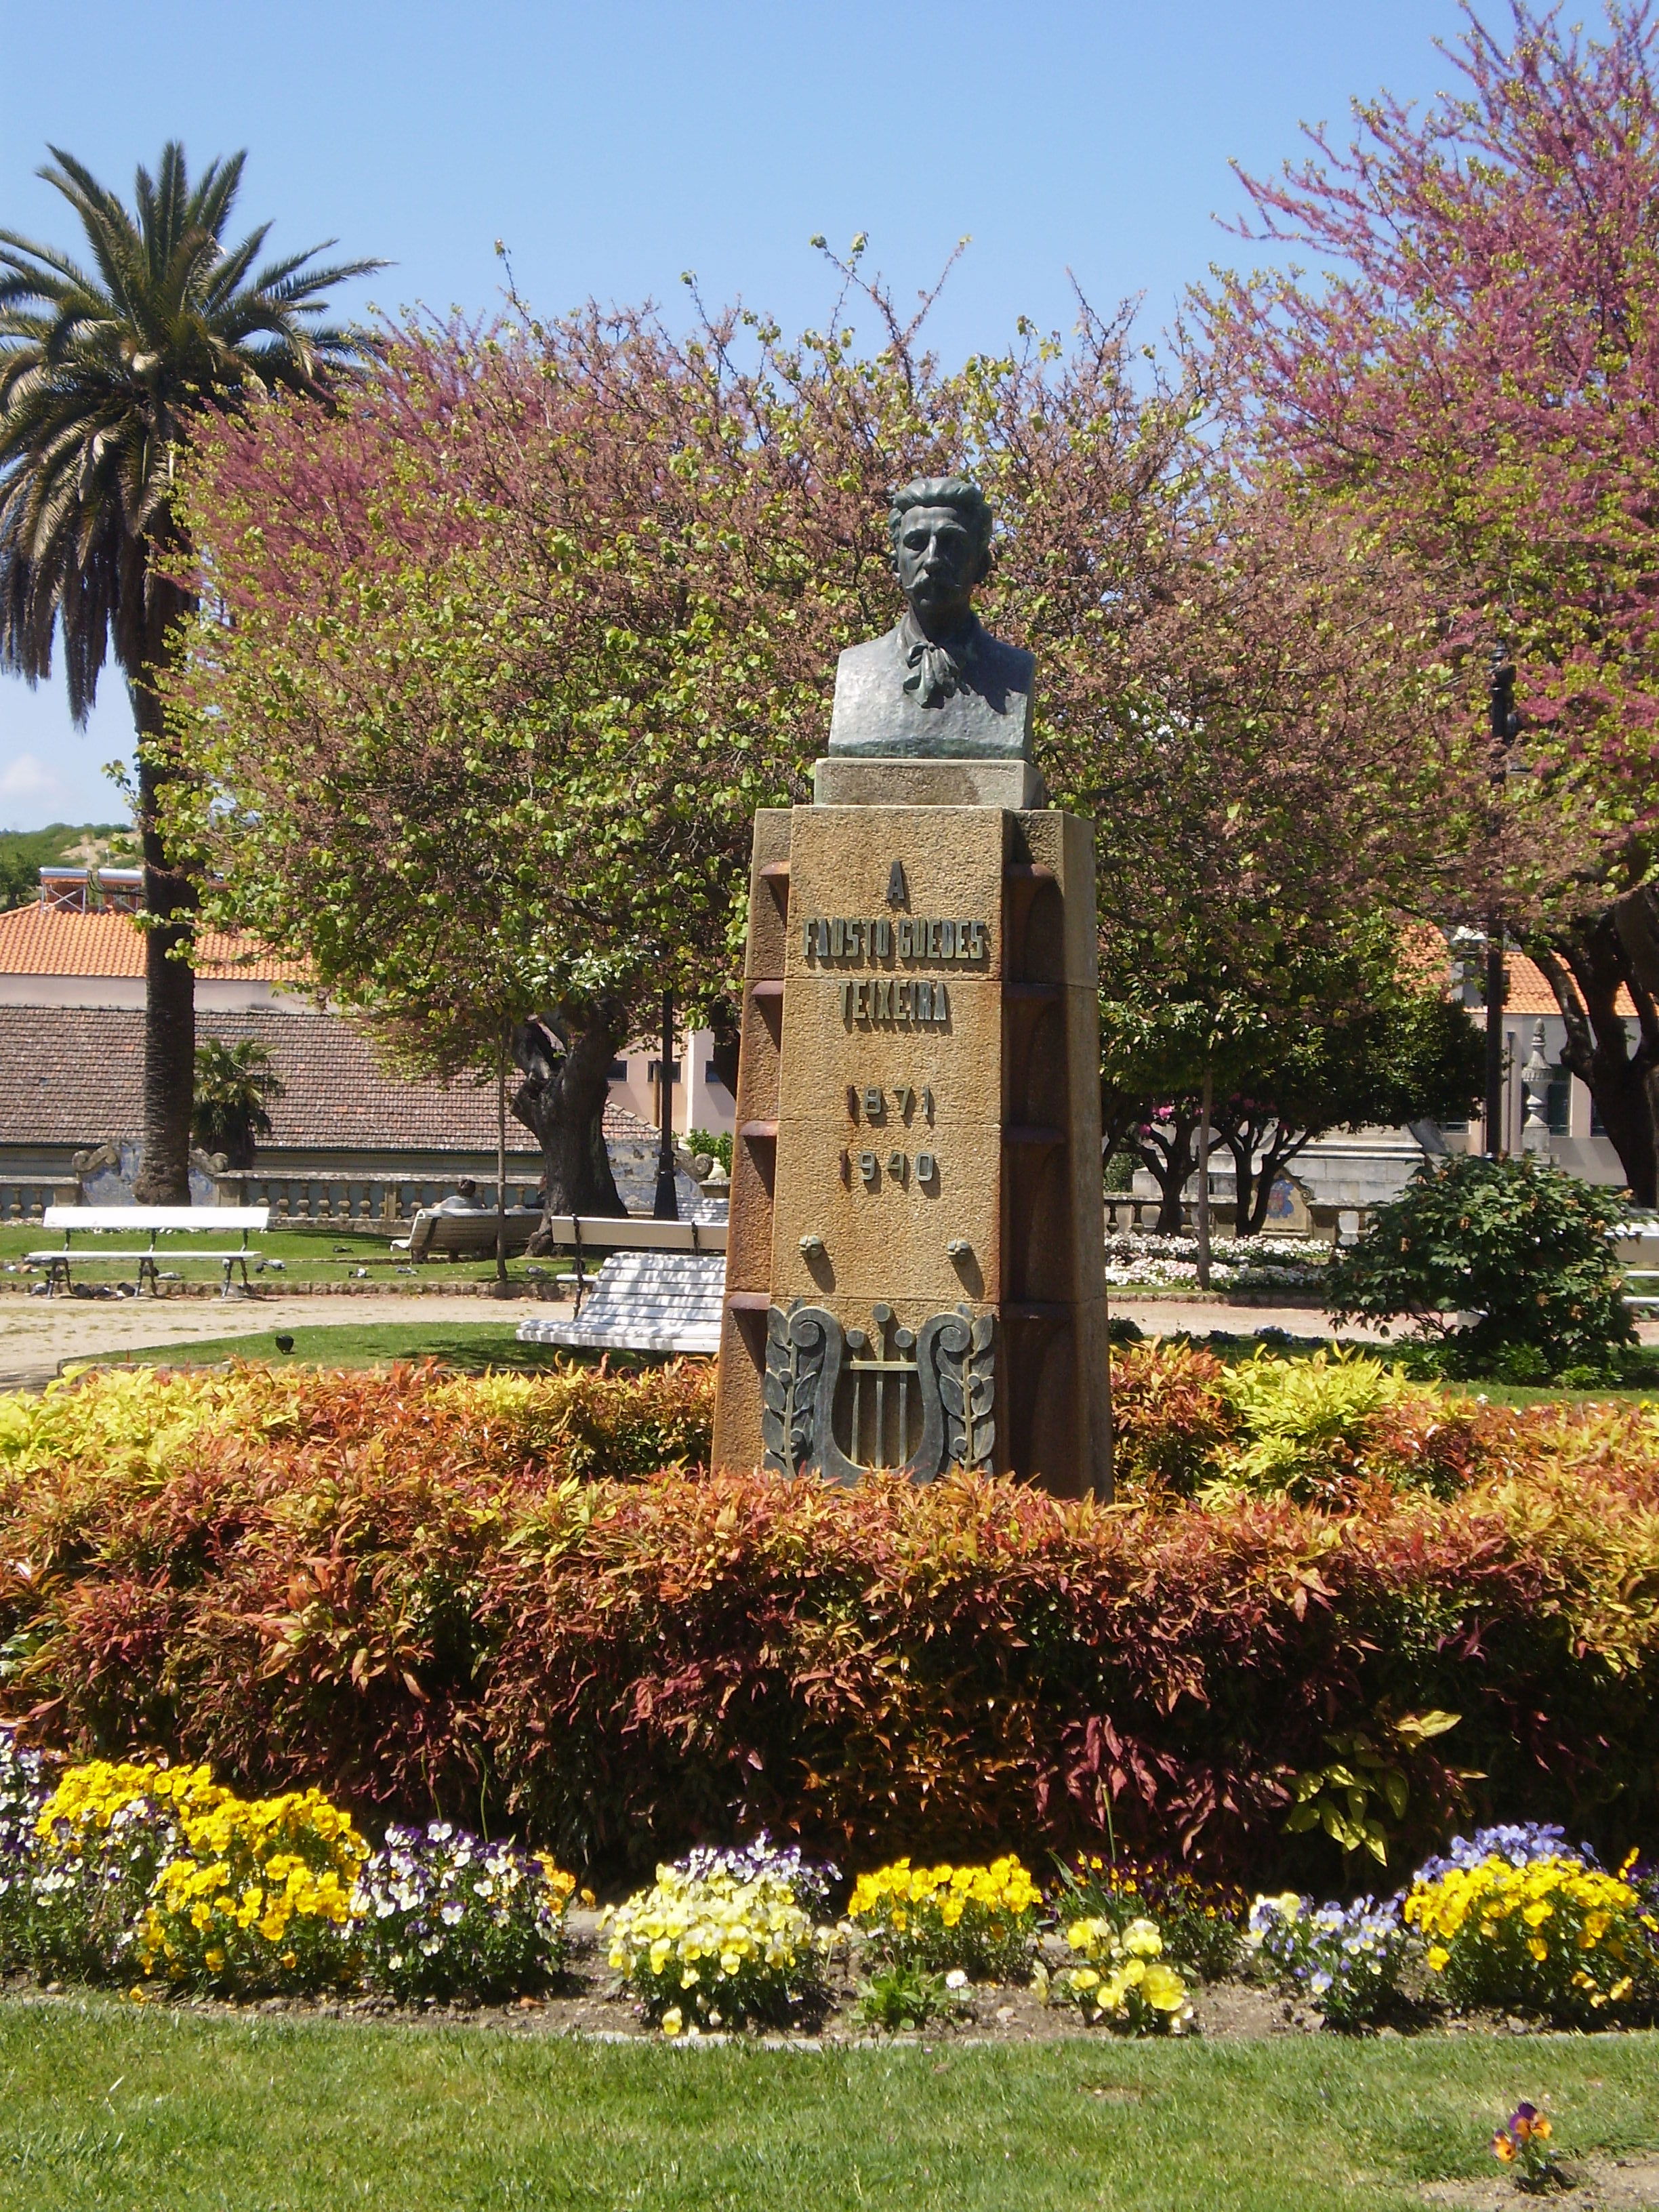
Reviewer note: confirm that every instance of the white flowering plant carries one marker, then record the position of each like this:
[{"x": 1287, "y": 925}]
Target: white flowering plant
[
  {"x": 723, "y": 1939},
  {"x": 23, "y": 1791},
  {"x": 1120, "y": 1976},
  {"x": 441, "y": 1913},
  {"x": 1134, "y": 1257},
  {"x": 99, "y": 1841},
  {"x": 1346, "y": 1960}
]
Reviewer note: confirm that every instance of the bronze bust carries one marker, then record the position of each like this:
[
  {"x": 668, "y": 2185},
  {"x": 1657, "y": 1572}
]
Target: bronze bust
[{"x": 937, "y": 686}]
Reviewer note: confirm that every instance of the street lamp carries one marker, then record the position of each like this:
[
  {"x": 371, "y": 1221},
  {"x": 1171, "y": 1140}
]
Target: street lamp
[
  {"x": 667, "y": 1204},
  {"x": 1504, "y": 726}
]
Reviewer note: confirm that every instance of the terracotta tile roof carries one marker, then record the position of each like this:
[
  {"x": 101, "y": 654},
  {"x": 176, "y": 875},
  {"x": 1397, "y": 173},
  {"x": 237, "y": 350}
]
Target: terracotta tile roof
[
  {"x": 1529, "y": 991},
  {"x": 72, "y": 1075},
  {"x": 1423, "y": 952},
  {"x": 619, "y": 1122},
  {"x": 46, "y": 940}
]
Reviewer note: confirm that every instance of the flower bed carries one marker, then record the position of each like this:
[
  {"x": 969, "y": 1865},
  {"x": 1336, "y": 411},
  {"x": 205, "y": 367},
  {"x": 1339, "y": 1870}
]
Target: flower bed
[
  {"x": 154, "y": 1875},
  {"x": 1136, "y": 1260}
]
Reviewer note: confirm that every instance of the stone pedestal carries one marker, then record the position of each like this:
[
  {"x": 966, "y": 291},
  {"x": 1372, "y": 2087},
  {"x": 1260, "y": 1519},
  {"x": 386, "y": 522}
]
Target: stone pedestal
[{"x": 914, "y": 1272}]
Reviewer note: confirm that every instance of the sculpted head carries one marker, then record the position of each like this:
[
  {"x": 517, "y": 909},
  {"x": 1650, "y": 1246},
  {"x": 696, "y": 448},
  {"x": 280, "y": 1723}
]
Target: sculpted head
[{"x": 940, "y": 528}]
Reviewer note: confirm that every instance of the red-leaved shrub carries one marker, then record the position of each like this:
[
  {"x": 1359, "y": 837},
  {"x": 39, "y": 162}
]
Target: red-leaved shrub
[{"x": 398, "y": 1587}]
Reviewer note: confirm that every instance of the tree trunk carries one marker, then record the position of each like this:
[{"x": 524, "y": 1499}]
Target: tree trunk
[
  {"x": 1170, "y": 1158},
  {"x": 561, "y": 1102},
  {"x": 163, "y": 1177},
  {"x": 1586, "y": 971}
]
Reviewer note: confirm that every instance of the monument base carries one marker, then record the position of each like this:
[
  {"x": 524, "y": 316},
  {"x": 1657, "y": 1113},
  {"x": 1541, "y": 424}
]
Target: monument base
[
  {"x": 916, "y": 1261},
  {"x": 867, "y": 780}
]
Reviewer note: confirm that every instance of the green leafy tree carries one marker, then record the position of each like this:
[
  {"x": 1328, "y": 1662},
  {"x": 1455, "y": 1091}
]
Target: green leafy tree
[
  {"x": 1522, "y": 1246},
  {"x": 1405, "y": 1055},
  {"x": 235, "y": 1087},
  {"x": 104, "y": 370},
  {"x": 1333, "y": 1039}
]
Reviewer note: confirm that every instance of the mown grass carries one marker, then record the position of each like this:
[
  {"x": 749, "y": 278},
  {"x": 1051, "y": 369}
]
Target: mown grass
[
  {"x": 307, "y": 1256},
  {"x": 107, "y": 2106},
  {"x": 471, "y": 1347}
]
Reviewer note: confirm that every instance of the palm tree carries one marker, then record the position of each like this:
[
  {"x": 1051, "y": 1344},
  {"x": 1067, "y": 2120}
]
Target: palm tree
[
  {"x": 101, "y": 371},
  {"x": 236, "y": 1086}
]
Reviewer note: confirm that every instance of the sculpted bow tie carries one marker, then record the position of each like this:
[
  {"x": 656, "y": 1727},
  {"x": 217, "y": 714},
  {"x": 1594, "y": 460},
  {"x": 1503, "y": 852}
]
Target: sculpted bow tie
[{"x": 937, "y": 671}]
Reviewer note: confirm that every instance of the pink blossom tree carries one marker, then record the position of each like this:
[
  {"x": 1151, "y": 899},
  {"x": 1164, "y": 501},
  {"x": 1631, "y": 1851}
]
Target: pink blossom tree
[{"x": 1471, "y": 373}]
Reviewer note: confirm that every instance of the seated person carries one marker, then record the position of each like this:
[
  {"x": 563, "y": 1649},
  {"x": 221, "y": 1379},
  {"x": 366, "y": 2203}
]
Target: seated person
[{"x": 465, "y": 1200}]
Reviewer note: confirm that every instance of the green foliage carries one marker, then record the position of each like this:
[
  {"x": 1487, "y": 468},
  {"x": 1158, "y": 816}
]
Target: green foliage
[
  {"x": 1524, "y": 1246},
  {"x": 1311, "y": 1429},
  {"x": 711, "y": 1146},
  {"x": 1347, "y": 1796},
  {"x": 900, "y": 1997},
  {"x": 235, "y": 1085},
  {"x": 101, "y": 375}
]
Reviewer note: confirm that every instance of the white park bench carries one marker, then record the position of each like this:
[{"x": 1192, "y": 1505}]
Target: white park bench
[
  {"x": 154, "y": 1221},
  {"x": 661, "y": 1301},
  {"x": 1642, "y": 1231}
]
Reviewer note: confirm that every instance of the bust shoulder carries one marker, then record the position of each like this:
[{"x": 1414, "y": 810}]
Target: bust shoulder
[{"x": 989, "y": 717}]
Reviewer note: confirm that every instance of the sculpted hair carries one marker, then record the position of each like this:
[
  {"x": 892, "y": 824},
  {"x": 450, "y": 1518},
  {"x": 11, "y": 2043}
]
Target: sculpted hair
[{"x": 969, "y": 500}]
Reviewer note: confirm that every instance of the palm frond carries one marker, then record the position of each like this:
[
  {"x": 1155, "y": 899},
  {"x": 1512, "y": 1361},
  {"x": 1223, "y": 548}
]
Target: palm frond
[{"x": 101, "y": 368}]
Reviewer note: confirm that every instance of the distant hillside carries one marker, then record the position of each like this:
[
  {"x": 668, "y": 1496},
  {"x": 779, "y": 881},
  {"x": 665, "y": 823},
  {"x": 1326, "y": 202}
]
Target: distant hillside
[{"x": 24, "y": 853}]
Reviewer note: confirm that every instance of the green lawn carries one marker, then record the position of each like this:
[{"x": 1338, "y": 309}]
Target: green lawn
[
  {"x": 307, "y": 1256},
  {"x": 469, "y": 1345},
  {"x": 107, "y": 2106}
]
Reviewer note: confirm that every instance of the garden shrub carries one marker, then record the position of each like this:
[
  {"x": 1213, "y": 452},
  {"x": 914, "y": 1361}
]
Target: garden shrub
[
  {"x": 440, "y": 1912},
  {"x": 1123, "y": 1979},
  {"x": 421, "y": 1619},
  {"x": 1170, "y": 1418},
  {"x": 1346, "y": 1959},
  {"x": 1523, "y": 1246},
  {"x": 980, "y": 1920},
  {"x": 721, "y": 1940},
  {"x": 1304, "y": 1424}
]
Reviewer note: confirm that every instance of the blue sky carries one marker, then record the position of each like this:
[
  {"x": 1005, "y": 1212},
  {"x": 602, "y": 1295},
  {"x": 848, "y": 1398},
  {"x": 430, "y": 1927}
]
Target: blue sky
[{"x": 614, "y": 146}]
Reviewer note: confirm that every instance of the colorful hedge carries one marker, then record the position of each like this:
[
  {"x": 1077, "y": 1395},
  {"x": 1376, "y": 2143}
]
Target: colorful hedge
[{"x": 397, "y": 1589}]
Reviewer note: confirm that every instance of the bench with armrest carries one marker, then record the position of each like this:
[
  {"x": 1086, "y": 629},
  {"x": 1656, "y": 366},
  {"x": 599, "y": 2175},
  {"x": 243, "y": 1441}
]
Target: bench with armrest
[
  {"x": 592, "y": 1235},
  {"x": 154, "y": 1221},
  {"x": 1631, "y": 1236},
  {"x": 471, "y": 1234},
  {"x": 436, "y": 1234}
]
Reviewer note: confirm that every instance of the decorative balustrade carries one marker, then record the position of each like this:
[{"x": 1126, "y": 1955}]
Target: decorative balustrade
[
  {"x": 380, "y": 1204},
  {"x": 26, "y": 1199}
]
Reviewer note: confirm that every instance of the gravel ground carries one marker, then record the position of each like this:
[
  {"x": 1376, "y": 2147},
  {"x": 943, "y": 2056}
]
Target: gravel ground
[{"x": 36, "y": 1334}]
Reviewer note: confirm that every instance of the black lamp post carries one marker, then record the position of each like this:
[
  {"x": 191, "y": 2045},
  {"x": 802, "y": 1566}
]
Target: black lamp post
[
  {"x": 667, "y": 1204},
  {"x": 1504, "y": 725}
]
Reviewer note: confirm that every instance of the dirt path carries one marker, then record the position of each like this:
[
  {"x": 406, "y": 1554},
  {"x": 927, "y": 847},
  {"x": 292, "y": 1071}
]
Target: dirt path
[{"x": 37, "y": 1333}]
